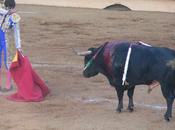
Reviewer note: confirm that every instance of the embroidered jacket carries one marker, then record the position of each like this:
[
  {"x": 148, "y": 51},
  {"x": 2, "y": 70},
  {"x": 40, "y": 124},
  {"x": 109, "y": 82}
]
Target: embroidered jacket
[{"x": 9, "y": 21}]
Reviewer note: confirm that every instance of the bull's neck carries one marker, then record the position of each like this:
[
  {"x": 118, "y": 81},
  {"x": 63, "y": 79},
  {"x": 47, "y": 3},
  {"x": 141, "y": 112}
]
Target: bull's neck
[{"x": 104, "y": 61}]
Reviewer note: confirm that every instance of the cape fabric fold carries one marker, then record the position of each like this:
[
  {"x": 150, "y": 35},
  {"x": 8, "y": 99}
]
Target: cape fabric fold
[{"x": 30, "y": 87}]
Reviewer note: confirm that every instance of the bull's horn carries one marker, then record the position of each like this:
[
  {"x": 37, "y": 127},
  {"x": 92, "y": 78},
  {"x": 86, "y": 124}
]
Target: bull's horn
[{"x": 84, "y": 53}]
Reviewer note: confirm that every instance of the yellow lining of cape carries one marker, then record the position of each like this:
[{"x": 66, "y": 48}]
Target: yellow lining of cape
[{"x": 15, "y": 59}]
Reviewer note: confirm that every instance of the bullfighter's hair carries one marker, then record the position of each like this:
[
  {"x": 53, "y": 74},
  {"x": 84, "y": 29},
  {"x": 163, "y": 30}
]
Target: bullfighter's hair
[{"x": 10, "y": 4}]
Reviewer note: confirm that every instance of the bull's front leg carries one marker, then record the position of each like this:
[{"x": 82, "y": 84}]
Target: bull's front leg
[
  {"x": 130, "y": 95},
  {"x": 120, "y": 93}
]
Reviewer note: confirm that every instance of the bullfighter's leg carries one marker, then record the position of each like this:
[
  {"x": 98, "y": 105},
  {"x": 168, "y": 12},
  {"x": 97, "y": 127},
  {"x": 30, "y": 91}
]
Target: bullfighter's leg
[
  {"x": 130, "y": 93},
  {"x": 7, "y": 64},
  {"x": 0, "y": 66},
  {"x": 169, "y": 96},
  {"x": 120, "y": 93}
]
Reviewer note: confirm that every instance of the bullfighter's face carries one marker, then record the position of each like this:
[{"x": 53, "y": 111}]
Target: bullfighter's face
[{"x": 1, "y": 3}]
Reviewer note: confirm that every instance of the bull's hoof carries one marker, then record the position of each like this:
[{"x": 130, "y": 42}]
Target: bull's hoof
[
  {"x": 130, "y": 108},
  {"x": 167, "y": 118},
  {"x": 119, "y": 110}
]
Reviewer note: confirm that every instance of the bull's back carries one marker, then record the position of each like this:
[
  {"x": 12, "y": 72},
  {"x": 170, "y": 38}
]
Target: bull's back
[
  {"x": 146, "y": 63},
  {"x": 154, "y": 63}
]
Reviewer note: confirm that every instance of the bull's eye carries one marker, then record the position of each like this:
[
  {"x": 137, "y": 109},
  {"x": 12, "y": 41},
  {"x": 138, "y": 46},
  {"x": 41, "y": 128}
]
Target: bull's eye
[{"x": 88, "y": 64}]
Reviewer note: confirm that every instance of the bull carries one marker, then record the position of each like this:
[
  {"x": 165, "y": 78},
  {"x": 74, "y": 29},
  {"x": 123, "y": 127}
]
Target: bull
[{"x": 146, "y": 65}]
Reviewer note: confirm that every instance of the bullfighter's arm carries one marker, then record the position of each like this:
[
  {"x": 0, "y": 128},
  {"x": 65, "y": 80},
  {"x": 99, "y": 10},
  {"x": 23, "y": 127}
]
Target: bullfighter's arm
[{"x": 15, "y": 18}]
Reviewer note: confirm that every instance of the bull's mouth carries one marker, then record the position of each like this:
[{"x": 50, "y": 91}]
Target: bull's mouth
[{"x": 86, "y": 75}]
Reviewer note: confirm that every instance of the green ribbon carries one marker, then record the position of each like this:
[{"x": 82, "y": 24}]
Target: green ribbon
[{"x": 89, "y": 63}]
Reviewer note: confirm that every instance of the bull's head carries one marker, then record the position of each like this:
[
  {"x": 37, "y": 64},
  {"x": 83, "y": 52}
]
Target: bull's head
[{"x": 90, "y": 64}]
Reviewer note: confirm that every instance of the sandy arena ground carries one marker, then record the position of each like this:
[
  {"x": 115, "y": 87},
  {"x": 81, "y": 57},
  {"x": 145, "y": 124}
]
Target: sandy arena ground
[
  {"x": 148, "y": 5},
  {"x": 76, "y": 103}
]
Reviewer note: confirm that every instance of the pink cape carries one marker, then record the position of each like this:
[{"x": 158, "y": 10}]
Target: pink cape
[{"x": 30, "y": 87}]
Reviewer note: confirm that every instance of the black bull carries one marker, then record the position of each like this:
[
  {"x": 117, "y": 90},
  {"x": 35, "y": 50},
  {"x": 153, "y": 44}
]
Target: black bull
[{"x": 146, "y": 65}]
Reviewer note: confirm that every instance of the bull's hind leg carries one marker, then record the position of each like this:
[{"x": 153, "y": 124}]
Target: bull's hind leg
[
  {"x": 130, "y": 95},
  {"x": 168, "y": 113},
  {"x": 169, "y": 96},
  {"x": 120, "y": 93}
]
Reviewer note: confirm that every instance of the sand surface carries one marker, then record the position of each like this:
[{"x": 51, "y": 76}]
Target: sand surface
[
  {"x": 144, "y": 5},
  {"x": 77, "y": 103}
]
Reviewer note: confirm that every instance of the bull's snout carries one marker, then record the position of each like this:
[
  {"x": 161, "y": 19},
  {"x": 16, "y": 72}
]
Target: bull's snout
[{"x": 86, "y": 75}]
